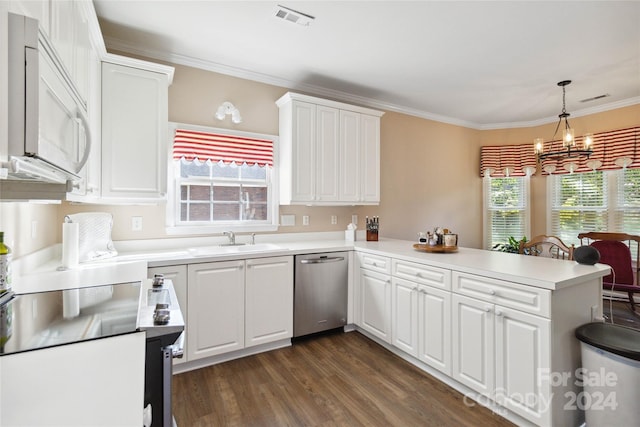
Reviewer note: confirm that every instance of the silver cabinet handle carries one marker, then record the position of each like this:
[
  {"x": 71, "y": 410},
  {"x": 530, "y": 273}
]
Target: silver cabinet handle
[{"x": 321, "y": 260}]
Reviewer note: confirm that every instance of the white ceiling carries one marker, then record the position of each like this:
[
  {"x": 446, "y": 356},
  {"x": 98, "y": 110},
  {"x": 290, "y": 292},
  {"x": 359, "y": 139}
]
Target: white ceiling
[{"x": 477, "y": 64}]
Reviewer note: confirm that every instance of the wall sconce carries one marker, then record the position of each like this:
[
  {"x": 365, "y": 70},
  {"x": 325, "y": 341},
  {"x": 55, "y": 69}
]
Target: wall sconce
[{"x": 228, "y": 108}]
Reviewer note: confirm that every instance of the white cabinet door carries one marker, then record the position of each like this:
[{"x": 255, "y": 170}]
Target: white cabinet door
[
  {"x": 376, "y": 303},
  {"x": 473, "y": 344},
  {"x": 350, "y": 156},
  {"x": 370, "y": 158},
  {"x": 404, "y": 315},
  {"x": 523, "y": 363},
  {"x": 215, "y": 301},
  {"x": 268, "y": 300},
  {"x": 434, "y": 328},
  {"x": 303, "y": 162},
  {"x": 329, "y": 152},
  {"x": 327, "y": 177},
  {"x": 178, "y": 275},
  {"x": 134, "y": 133}
]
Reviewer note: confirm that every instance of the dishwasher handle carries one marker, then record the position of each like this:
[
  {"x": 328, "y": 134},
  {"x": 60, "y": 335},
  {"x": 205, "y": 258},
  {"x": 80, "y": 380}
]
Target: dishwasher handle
[{"x": 321, "y": 260}]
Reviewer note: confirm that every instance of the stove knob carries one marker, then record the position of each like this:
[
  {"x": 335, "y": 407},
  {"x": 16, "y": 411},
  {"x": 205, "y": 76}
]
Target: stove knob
[
  {"x": 158, "y": 280},
  {"x": 161, "y": 317}
]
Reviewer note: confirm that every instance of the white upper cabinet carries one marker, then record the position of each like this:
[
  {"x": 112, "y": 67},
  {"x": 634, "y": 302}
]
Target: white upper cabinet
[
  {"x": 329, "y": 152},
  {"x": 134, "y": 130}
]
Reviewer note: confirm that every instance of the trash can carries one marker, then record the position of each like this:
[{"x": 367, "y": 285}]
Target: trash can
[{"x": 610, "y": 375}]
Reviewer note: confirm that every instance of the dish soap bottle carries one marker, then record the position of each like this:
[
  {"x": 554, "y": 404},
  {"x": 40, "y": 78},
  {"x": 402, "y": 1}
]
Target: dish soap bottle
[{"x": 5, "y": 266}]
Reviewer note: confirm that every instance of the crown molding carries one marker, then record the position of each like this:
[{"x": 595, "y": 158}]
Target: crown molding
[{"x": 126, "y": 47}]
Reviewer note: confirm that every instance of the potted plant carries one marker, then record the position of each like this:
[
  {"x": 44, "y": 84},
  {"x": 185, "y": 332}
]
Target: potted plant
[{"x": 512, "y": 245}]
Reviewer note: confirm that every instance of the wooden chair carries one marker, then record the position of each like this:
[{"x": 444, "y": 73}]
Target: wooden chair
[
  {"x": 547, "y": 246},
  {"x": 615, "y": 251}
]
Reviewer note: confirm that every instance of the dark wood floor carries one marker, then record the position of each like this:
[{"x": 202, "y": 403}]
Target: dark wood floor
[
  {"x": 619, "y": 312},
  {"x": 341, "y": 379}
]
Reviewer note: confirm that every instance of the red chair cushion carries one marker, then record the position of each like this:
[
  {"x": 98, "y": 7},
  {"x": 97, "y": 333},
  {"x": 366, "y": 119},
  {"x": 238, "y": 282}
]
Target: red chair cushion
[{"x": 618, "y": 256}]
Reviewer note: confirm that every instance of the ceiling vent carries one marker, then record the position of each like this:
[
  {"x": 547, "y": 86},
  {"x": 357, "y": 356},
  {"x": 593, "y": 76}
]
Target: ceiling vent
[
  {"x": 293, "y": 16},
  {"x": 595, "y": 97}
]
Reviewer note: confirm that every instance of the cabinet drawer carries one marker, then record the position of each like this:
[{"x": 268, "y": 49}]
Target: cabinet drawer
[
  {"x": 375, "y": 262},
  {"x": 423, "y": 274},
  {"x": 520, "y": 297}
]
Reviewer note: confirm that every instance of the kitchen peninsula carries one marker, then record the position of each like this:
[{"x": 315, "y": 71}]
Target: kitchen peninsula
[{"x": 492, "y": 325}]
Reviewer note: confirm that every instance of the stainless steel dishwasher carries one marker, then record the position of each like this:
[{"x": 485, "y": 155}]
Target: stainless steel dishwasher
[{"x": 320, "y": 292}]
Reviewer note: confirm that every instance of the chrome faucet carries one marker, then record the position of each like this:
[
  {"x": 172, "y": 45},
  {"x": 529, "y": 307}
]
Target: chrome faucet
[{"x": 232, "y": 237}]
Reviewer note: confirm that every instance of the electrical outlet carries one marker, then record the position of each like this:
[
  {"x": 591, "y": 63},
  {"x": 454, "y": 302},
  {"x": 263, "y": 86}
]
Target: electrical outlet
[
  {"x": 334, "y": 219},
  {"x": 354, "y": 219},
  {"x": 305, "y": 219},
  {"x": 136, "y": 223}
]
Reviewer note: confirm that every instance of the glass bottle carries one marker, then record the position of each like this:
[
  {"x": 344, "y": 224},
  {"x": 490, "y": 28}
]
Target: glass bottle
[{"x": 5, "y": 266}]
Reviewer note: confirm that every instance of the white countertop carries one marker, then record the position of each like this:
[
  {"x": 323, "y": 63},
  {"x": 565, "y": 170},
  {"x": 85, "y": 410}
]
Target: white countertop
[
  {"x": 134, "y": 258},
  {"x": 540, "y": 272}
]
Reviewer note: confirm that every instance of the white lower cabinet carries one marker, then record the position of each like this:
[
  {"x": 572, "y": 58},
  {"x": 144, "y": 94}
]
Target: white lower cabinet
[
  {"x": 375, "y": 300},
  {"x": 490, "y": 335},
  {"x": 434, "y": 328},
  {"x": 501, "y": 353},
  {"x": 215, "y": 318},
  {"x": 473, "y": 344},
  {"x": 268, "y": 300},
  {"x": 238, "y": 304},
  {"x": 404, "y": 315}
]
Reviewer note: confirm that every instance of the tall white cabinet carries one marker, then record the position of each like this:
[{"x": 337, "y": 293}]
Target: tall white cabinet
[
  {"x": 134, "y": 130},
  {"x": 329, "y": 152}
]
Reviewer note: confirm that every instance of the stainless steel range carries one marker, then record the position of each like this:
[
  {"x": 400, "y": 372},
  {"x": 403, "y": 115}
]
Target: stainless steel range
[
  {"x": 160, "y": 317},
  {"x": 38, "y": 320}
]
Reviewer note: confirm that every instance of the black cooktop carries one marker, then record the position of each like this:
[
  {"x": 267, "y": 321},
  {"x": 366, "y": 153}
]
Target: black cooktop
[{"x": 46, "y": 319}]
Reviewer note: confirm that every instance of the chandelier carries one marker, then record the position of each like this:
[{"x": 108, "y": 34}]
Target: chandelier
[{"x": 570, "y": 148}]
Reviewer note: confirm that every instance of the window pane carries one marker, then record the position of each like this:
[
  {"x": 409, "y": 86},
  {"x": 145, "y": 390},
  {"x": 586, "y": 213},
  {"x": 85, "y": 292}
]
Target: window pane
[
  {"x": 254, "y": 194},
  {"x": 226, "y": 193},
  {"x": 226, "y": 212},
  {"x": 507, "y": 192},
  {"x": 253, "y": 172},
  {"x": 579, "y": 204},
  {"x": 194, "y": 169},
  {"x": 199, "y": 192},
  {"x": 506, "y": 200},
  {"x": 220, "y": 170}
]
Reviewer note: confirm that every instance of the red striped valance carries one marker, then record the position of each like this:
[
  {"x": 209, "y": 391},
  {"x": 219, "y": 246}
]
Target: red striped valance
[
  {"x": 611, "y": 150},
  {"x": 507, "y": 160},
  {"x": 190, "y": 145}
]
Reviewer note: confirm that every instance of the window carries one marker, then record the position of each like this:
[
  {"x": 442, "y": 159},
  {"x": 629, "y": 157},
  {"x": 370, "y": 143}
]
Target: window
[
  {"x": 506, "y": 209},
  {"x": 626, "y": 216},
  {"x": 221, "y": 181},
  {"x": 578, "y": 204},
  {"x": 595, "y": 201}
]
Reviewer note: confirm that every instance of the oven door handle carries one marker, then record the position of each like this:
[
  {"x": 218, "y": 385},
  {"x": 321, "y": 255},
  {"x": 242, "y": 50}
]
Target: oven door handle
[{"x": 177, "y": 349}]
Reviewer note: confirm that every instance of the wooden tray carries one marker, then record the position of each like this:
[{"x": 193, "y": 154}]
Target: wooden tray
[{"x": 438, "y": 248}]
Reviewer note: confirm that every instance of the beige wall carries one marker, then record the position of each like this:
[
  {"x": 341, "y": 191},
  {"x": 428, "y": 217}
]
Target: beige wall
[{"x": 429, "y": 170}]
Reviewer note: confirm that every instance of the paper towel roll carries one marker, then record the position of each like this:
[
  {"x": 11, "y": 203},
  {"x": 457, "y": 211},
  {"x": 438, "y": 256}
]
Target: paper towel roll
[
  {"x": 70, "y": 244},
  {"x": 70, "y": 303}
]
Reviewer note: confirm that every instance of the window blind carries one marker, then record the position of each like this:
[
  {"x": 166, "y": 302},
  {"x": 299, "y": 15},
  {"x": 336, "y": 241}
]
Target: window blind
[
  {"x": 190, "y": 145},
  {"x": 507, "y": 209},
  {"x": 578, "y": 204},
  {"x": 627, "y": 209}
]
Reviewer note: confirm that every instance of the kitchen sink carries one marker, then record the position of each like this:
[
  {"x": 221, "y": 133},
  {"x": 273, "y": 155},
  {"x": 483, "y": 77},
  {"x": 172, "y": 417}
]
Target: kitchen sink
[{"x": 234, "y": 249}]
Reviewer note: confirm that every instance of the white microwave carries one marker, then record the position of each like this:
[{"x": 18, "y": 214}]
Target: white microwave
[{"x": 49, "y": 135}]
